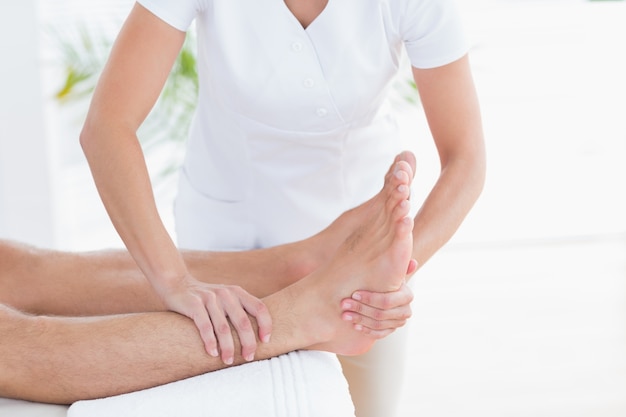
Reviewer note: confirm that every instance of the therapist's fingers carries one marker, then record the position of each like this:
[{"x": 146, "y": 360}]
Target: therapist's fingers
[
  {"x": 372, "y": 327},
  {"x": 374, "y": 334},
  {"x": 220, "y": 327},
  {"x": 213, "y": 308},
  {"x": 362, "y": 311},
  {"x": 198, "y": 313},
  {"x": 231, "y": 303},
  {"x": 383, "y": 301},
  {"x": 234, "y": 305},
  {"x": 401, "y": 313},
  {"x": 259, "y": 311},
  {"x": 378, "y": 314}
]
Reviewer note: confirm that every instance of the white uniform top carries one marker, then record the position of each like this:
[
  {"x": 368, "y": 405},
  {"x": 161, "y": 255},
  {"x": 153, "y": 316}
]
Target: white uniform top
[{"x": 292, "y": 126}]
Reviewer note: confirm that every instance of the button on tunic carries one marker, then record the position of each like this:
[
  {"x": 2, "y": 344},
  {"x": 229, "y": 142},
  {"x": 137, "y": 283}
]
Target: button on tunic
[{"x": 292, "y": 126}]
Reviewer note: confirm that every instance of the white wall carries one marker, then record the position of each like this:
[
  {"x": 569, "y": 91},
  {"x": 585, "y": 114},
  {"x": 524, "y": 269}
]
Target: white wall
[{"x": 26, "y": 208}]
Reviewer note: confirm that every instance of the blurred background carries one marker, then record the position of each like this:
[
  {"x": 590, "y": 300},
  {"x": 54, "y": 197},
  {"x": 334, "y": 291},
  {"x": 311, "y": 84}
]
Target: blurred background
[{"x": 523, "y": 313}]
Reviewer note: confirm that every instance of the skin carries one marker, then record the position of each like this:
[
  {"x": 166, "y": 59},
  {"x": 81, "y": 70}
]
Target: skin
[
  {"x": 451, "y": 106},
  {"x": 306, "y": 11},
  {"x": 103, "y": 355},
  {"x": 116, "y": 160}
]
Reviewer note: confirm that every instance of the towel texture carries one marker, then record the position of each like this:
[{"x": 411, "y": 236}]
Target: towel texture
[
  {"x": 297, "y": 384},
  {"x": 17, "y": 408}
]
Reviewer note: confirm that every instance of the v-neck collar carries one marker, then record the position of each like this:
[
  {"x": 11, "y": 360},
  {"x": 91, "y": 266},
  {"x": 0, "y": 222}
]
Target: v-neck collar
[{"x": 294, "y": 19}]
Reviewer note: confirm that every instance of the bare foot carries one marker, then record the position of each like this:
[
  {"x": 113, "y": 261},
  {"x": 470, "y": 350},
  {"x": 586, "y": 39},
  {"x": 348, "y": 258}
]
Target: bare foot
[
  {"x": 374, "y": 257},
  {"x": 323, "y": 246}
]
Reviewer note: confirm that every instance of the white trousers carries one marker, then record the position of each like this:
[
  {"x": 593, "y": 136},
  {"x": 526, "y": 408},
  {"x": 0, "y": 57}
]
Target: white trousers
[{"x": 376, "y": 378}]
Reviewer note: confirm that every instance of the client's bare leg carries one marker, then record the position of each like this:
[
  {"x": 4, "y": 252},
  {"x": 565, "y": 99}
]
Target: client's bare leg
[
  {"x": 92, "y": 357},
  {"x": 42, "y": 281}
]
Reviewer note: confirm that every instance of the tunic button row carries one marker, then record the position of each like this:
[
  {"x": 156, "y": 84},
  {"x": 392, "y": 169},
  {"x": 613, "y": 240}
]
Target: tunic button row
[{"x": 309, "y": 82}]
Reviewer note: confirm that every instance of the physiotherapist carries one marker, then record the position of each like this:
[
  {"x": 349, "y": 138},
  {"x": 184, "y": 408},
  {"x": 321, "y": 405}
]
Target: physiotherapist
[{"x": 293, "y": 127}]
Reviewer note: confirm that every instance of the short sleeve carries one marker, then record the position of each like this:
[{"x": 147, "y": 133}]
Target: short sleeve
[
  {"x": 177, "y": 13},
  {"x": 432, "y": 32}
]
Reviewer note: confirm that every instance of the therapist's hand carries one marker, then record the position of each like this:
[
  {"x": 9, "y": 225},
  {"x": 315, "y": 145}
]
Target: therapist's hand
[
  {"x": 212, "y": 307},
  {"x": 378, "y": 314}
]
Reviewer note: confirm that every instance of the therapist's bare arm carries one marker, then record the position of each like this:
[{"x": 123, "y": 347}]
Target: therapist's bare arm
[
  {"x": 131, "y": 82},
  {"x": 452, "y": 110}
]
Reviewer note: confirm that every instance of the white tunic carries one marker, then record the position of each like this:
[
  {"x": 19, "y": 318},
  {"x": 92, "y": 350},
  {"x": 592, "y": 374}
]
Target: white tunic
[{"x": 292, "y": 126}]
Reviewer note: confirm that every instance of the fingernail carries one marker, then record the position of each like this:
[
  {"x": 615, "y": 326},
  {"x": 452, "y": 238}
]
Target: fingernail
[
  {"x": 346, "y": 305},
  {"x": 358, "y": 327},
  {"x": 228, "y": 361},
  {"x": 348, "y": 317},
  {"x": 250, "y": 357},
  {"x": 214, "y": 353},
  {"x": 266, "y": 338},
  {"x": 356, "y": 296}
]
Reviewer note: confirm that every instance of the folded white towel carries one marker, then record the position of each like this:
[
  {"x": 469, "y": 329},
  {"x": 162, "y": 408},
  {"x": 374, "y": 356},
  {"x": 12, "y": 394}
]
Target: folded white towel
[
  {"x": 17, "y": 408},
  {"x": 298, "y": 384}
]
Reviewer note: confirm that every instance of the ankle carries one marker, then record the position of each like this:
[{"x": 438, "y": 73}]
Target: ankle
[{"x": 303, "y": 258}]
